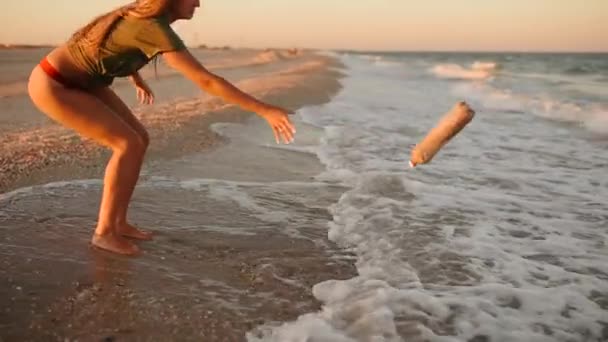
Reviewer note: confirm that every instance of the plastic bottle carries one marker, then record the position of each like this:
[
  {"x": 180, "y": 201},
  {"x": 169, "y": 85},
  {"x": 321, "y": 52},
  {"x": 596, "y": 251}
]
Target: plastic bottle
[{"x": 449, "y": 125}]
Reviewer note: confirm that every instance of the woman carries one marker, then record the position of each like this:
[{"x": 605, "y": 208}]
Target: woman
[{"x": 71, "y": 86}]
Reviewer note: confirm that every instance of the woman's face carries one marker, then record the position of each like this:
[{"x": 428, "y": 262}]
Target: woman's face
[{"x": 184, "y": 9}]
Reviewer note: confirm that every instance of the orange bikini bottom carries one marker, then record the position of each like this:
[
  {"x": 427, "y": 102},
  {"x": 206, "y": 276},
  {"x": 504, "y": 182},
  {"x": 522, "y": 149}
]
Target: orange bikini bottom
[{"x": 54, "y": 74}]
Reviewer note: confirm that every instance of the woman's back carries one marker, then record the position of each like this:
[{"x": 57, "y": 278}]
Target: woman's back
[{"x": 129, "y": 45}]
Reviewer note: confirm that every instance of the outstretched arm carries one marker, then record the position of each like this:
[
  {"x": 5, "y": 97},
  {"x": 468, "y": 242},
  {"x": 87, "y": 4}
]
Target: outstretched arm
[{"x": 186, "y": 64}]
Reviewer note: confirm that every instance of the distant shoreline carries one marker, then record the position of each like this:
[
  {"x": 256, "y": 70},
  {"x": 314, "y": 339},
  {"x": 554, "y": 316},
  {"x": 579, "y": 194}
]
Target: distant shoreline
[
  {"x": 24, "y": 46},
  {"x": 45, "y": 46}
]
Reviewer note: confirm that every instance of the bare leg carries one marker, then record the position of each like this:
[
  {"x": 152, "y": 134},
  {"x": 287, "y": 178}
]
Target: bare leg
[
  {"x": 90, "y": 117},
  {"x": 119, "y": 107}
]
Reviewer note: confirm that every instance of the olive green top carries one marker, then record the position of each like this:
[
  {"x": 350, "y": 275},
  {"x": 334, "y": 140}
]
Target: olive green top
[{"x": 130, "y": 45}]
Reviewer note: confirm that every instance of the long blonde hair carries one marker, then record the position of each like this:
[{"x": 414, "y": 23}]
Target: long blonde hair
[{"x": 92, "y": 35}]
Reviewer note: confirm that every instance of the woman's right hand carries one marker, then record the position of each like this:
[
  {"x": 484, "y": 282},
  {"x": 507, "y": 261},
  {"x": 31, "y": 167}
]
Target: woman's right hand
[{"x": 279, "y": 122}]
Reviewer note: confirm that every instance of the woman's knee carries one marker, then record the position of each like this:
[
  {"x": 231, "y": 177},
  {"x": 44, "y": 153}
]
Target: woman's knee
[{"x": 131, "y": 144}]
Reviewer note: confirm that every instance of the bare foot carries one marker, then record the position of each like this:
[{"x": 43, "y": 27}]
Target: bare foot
[
  {"x": 113, "y": 243},
  {"x": 130, "y": 231}
]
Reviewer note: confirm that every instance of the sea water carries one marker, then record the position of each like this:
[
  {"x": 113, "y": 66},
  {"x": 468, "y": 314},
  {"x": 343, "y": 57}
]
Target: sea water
[{"x": 503, "y": 237}]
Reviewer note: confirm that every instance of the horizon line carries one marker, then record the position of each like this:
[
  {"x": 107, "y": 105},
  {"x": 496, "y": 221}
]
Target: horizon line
[{"x": 357, "y": 50}]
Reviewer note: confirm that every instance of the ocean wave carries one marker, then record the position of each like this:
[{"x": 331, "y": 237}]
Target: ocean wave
[
  {"x": 580, "y": 70},
  {"x": 489, "y": 97},
  {"x": 598, "y": 88},
  {"x": 556, "y": 78},
  {"x": 591, "y": 115},
  {"x": 374, "y": 58},
  {"x": 379, "y": 60},
  {"x": 477, "y": 71},
  {"x": 477, "y": 65},
  {"x": 591, "y": 67},
  {"x": 385, "y": 63}
]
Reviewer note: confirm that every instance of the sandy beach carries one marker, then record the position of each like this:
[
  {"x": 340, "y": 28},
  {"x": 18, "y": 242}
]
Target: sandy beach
[{"x": 206, "y": 286}]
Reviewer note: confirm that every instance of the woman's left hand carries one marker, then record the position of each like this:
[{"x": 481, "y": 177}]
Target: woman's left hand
[{"x": 144, "y": 93}]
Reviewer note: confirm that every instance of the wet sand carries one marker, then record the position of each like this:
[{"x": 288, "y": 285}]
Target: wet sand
[{"x": 206, "y": 286}]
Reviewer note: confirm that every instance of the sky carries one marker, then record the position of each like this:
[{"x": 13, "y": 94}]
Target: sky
[{"x": 420, "y": 25}]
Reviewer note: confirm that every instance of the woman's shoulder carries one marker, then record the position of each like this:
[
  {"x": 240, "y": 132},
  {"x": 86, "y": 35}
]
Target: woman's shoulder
[
  {"x": 161, "y": 20},
  {"x": 152, "y": 35}
]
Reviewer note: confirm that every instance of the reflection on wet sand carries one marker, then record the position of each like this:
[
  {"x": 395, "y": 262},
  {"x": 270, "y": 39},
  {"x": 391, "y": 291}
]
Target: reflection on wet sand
[{"x": 193, "y": 280}]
